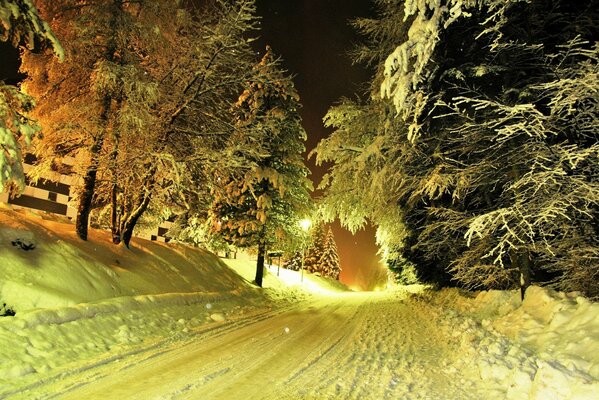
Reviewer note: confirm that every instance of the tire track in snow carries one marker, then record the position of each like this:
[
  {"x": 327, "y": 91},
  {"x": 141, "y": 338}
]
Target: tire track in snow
[
  {"x": 377, "y": 361},
  {"x": 65, "y": 380},
  {"x": 348, "y": 347}
]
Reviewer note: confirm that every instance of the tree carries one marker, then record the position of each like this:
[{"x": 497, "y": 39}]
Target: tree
[
  {"x": 329, "y": 261},
  {"x": 480, "y": 137},
  {"x": 293, "y": 262},
  {"x": 102, "y": 98},
  {"x": 20, "y": 24},
  {"x": 316, "y": 249},
  {"x": 197, "y": 140},
  {"x": 263, "y": 204},
  {"x": 144, "y": 105},
  {"x": 502, "y": 144}
]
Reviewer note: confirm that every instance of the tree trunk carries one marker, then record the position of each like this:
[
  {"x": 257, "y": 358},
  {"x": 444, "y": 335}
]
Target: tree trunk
[
  {"x": 89, "y": 180},
  {"x": 127, "y": 231},
  {"x": 260, "y": 263},
  {"x": 87, "y": 192},
  {"x": 520, "y": 259},
  {"x": 114, "y": 213},
  {"x": 142, "y": 205},
  {"x": 114, "y": 216}
]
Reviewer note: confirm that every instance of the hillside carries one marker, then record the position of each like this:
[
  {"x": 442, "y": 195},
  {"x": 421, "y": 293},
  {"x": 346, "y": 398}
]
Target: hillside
[
  {"x": 62, "y": 270},
  {"x": 82, "y": 303}
]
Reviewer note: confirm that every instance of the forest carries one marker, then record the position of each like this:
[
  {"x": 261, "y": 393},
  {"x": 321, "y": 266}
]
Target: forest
[{"x": 473, "y": 151}]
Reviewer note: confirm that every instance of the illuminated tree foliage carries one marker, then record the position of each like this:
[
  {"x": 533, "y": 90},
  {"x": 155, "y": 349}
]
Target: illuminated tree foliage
[
  {"x": 329, "y": 261},
  {"x": 21, "y": 25},
  {"x": 101, "y": 99},
  {"x": 144, "y": 106},
  {"x": 480, "y": 137},
  {"x": 262, "y": 205},
  {"x": 198, "y": 140},
  {"x": 316, "y": 248}
]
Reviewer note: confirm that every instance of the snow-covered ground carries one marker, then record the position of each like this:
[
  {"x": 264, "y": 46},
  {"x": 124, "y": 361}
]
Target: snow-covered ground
[{"x": 167, "y": 321}]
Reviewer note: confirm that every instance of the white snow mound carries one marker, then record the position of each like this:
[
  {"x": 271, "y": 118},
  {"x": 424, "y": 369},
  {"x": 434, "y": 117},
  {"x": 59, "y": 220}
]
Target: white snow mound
[
  {"x": 546, "y": 345},
  {"x": 63, "y": 270}
]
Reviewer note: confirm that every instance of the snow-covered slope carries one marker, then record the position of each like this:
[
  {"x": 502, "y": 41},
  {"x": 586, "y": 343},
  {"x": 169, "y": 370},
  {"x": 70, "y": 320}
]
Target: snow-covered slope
[
  {"x": 82, "y": 304},
  {"x": 62, "y": 270}
]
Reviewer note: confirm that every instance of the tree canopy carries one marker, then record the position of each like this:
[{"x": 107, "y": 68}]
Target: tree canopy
[
  {"x": 475, "y": 151},
  {"x": 21, "y": 25},
  {"x": 262, "y": 205}
]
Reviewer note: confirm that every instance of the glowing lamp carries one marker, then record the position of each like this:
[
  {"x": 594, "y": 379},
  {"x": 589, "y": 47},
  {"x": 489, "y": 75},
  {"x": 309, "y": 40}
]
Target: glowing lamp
[{"x": 305, "y": 224}]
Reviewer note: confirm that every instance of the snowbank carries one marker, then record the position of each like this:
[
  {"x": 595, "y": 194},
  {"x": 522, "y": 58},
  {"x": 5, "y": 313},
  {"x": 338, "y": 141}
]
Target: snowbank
[
  {"x": 82, "y": 304},
  {"x": 547, "y": 345},
  {"x": 62, "y": 270}
]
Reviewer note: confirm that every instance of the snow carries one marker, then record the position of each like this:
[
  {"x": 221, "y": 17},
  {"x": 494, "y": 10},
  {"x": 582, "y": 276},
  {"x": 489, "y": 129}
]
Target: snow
[
  {"x": 63, "y": 270},
  {"x": 554, "y": 336},
  {"x": 171, "y": 321}
]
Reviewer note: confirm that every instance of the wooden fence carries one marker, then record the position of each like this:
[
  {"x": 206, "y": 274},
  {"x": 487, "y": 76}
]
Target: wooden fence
[{"x": 54, "y": 197}]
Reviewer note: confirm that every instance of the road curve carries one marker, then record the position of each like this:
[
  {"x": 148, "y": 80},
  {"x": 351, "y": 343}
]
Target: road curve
[{"x": 353, "y": 346}]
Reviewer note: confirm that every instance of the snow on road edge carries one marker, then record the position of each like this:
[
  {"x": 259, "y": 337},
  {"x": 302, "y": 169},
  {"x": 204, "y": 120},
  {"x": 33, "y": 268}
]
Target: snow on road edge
[{"x": 545, "y": 346}]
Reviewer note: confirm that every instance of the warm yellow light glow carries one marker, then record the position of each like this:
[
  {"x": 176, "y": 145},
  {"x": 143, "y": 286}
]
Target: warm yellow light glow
[{"x": 305, "y": 224}]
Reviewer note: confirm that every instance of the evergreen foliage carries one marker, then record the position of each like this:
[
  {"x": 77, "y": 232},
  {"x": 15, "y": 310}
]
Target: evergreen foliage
[
  {"x": 329, "y": 261},
  {"x": 262, "y": 203},
  {"x": 316, "y": 249},
  {"x": 479, "y": 139},
  {"x": 294, "y": 262},
  {"x": 143, "y": 106},
  {"x": 20, "y": 24},
  {"x": 99, "y": 105},
  {"x": 199, "y": 141}
]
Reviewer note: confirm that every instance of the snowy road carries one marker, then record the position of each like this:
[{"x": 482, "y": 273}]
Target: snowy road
[{"x": 354, "y": 346}]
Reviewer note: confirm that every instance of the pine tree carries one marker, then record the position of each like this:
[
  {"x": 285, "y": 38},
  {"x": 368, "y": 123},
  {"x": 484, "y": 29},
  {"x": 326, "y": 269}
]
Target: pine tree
[
  {"x": 329, "y": 261},
  {"x": 20, "y": 24},
  {"x": 99, "y": 104},
  {"x": 294, "y": 262},
  {"x": 316, "y": 249},
  {"x": 144, "y": 105},
  {"x": 480, "y": 126},
  {"x": 264, "y": 201}
]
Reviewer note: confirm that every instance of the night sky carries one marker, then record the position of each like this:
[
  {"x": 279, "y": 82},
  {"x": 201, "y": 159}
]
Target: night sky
[{"x": 313, "y": 38}]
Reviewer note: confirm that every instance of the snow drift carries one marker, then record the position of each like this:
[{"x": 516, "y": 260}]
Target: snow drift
[
  {"x": 63, "y": 270},
  {"x": 545, "y": 347}
]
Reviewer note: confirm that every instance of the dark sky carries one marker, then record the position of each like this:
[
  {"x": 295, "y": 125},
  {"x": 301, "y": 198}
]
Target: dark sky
[
  {"x": 8, "y": 63},
  {"x": 313, "y": 38}
]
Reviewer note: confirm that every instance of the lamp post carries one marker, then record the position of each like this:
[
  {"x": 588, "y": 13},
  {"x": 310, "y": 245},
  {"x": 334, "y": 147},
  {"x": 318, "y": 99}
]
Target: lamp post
[{"x": 305, "y": 225}]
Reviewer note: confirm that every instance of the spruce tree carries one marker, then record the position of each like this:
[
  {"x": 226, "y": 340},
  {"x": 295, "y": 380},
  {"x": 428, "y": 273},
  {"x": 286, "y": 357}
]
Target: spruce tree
[
  {"x": 144, "y": 105},
  {"x": 263, "y": 202},
  {"x": 100, "y": 103},
  {"x": 294, "y": 262},
  {"x": 316, "y": 249},
  {"x": 479, "y": 136},
  {"x": 329, "y": 261}
]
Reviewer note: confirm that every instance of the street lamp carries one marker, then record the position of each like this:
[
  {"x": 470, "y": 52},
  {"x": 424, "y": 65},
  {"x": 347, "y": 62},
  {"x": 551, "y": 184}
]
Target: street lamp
[{"x": 305, "y": 224}]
